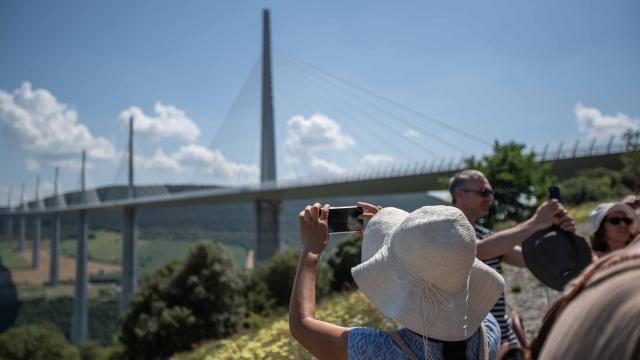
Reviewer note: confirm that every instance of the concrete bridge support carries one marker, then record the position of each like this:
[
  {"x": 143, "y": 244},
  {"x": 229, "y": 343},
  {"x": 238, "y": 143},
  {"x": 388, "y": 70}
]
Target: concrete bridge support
[
  {"x": 268, "y": 229},
  {"x": 80, "y": 320},
  {"x": 54, "y": 264},
  {"x": 267, "y": 211},
  {"x": 129, "y": 259}
]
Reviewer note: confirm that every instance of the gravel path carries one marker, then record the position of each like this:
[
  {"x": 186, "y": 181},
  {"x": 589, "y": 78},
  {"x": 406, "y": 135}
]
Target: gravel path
[{"x": 526, "y": 295}]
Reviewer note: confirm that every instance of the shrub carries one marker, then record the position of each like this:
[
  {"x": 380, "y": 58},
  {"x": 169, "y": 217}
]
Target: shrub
[
  {"x": 269, "y": 285},
  {"x": 183, "y": 303},
  {"x": 34, "y": 342},
  {"x": 592, "y": 185},
  {"x": 275, "y": 341},
  {"x": 345, "y": 256}
]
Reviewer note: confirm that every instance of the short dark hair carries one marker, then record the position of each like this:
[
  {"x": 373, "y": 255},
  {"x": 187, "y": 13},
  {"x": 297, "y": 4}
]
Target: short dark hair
[{"x": 460, "y": 179}]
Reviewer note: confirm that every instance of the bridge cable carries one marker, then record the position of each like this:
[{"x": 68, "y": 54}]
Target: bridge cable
[{"x": 394, "y": 103}]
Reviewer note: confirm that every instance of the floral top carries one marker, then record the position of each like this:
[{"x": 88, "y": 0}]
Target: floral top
[{"x": 367, "y": 343}]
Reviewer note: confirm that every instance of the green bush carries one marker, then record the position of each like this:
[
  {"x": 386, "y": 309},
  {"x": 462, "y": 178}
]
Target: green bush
[
  {"x": 34, "y": 342},
  {"x": 345, "y": 256},
  {"x": 269, "y": 284},
  {"x": 592, "y": 185},
  {"x": 183, "y": 303},
  {"x": 275, "y": 341}
]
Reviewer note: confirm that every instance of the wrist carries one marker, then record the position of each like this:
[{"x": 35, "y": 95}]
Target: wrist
[
  {"x": 310, "y": 257},
  {"x": 535, "y": 224}
]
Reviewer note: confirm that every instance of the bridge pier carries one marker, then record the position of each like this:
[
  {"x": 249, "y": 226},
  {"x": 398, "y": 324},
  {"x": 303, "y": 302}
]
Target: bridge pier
[
  {"x": 9, "y": 227},
  {"x": 268, "y": 229},
  {"x": 35, "y": 246},
  {"x": 80, "y": 320},
  {"x": 80, "y": 323},
  {"x": 23, "y": 218},
  {"x": 55, "y": 251},
  {"x": 22, "y": 232},
  {"x": 54, "y": 266},
  {"x": 129, "y": 280}
]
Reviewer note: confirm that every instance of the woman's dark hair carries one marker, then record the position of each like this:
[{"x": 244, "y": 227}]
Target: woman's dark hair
[
  {"x": 454, "y": 350},
  {"x": 598, "y": 241}
]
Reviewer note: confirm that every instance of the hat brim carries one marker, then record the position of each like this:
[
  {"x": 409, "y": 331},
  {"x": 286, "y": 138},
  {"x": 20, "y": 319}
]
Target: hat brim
[
  {"x": 537, "y": 260},
  {"x": 397, "y": 296}
]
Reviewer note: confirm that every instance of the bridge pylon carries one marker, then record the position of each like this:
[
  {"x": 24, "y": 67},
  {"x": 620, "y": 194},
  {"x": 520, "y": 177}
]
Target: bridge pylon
[{"x": 267, "y": 210}]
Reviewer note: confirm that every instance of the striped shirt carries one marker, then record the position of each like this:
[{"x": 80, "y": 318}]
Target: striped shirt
[{"x": 499, "y": 310}]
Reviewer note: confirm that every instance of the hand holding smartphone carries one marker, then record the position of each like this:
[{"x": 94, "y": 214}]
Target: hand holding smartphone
[{"x": 344, "y": 219}]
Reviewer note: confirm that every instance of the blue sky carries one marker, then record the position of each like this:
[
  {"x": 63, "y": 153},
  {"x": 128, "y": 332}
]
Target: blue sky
[{"x": 72, "y": 71}]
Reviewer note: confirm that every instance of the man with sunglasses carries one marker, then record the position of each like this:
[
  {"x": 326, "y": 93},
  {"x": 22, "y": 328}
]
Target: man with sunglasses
[{"x": 472, "y": 193}]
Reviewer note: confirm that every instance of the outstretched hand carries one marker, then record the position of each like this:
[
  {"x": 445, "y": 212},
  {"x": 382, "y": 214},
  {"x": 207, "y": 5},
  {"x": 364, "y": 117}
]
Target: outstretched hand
[{"x": 313, "y": 228}]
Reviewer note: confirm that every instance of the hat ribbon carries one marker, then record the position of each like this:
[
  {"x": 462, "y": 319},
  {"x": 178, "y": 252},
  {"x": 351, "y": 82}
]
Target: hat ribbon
[{"x": 436, "y": 298}]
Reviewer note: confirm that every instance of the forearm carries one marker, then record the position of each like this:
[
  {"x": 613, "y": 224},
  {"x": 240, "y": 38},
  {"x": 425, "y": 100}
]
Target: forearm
[
  {"x": 303, "y": 296},
  {"x": 504, "y": 241}
]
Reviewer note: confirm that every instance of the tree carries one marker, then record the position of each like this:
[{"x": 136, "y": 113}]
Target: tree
[
  {"x": 270, "y": 284},
  {"x": 346, "y": 255},
  {"x": 631, "y": 161},
  {"x": 36, "y": 342},
  {"x": 183, "y": 303},
  {"x": 592, "y": 185},
  {"x": 519, "y": 181}
]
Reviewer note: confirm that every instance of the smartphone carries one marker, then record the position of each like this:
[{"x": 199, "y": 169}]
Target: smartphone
[
  {"x": 344, "y": 219},
  {"x": 554, "y": 193}
]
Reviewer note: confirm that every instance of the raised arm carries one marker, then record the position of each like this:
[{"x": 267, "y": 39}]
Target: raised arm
[
  {"x": 324, "y": 340},
  {"x": 503, "y": 242}
]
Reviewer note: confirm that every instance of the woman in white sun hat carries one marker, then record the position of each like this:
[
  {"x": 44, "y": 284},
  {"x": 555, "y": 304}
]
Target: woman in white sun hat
[
  {"x": 419, "y": 269},
  {"x": 613, "y": 225}
]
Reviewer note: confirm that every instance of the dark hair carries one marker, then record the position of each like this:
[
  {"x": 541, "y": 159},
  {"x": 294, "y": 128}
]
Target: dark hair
[
  {"x": 454, "y": 350},
  {"x": 597, "y": 240}
]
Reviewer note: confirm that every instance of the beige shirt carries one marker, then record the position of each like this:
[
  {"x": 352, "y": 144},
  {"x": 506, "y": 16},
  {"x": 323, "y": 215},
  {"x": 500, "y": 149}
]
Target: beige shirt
[{"x": 603, "y": 321}]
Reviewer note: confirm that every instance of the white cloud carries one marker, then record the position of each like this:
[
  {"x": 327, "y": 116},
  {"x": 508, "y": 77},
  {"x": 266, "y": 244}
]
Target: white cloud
[
  {"x": 307, "y": 137},
  {"x": 170, "y": 121},
  {"x": 411, "y": 134},
  {"x": 47, "y": 128},
  {"x": 373, "y": 160},
  {"x": 32, "y": 164},
  {"x": 326, "y": 167},
  {"x": 206, "y": 161},
  {"x": 594, "y": 123},
  {"x": 308, "y": 140},
  {"x": 160, "y": 161}
]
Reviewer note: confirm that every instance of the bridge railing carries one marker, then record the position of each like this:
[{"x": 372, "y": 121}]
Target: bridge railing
[{"x": 562, "y": 150}]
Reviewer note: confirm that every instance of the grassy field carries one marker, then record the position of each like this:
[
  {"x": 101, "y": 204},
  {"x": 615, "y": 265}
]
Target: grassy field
[
  {"x": 10, "y": 258},
  {"x": 106, "y": 246}
]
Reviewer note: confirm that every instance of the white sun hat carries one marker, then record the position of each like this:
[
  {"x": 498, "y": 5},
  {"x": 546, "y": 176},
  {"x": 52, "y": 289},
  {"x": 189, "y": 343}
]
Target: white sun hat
[
  {"x": 376, "y": 230},
  {"x": 424, "y": 272},
  {"x": 598, "y": 214}
]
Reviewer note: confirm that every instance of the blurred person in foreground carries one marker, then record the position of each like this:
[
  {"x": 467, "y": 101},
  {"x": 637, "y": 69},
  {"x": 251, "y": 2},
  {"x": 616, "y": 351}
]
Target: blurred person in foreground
[
  {"x": 472, "y": 193},
  {"x": 417, "y": 268},
  {"x": 599, "y": 317},
  {"x": 613, "y": 226}
]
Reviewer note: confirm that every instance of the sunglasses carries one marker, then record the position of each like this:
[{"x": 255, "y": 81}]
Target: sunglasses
[
  {"x": 484, "y": 192},
  {"x": 617, "y": 220}
]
